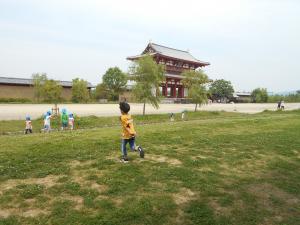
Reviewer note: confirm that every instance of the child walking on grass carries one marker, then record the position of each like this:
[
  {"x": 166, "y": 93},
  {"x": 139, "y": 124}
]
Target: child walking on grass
[
  {"x": 47, "y": 122},
  {"x": 28, "y": 125},
  {"x": 128, "y": 133},
  {"x": 64, "y": 119},
  {"x": 71, "y": 121}
]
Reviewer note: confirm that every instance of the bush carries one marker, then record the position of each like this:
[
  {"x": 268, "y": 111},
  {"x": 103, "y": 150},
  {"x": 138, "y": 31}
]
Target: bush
[
  {"x": 286, "y": 98},
  {"x": 15, "y": 100}
]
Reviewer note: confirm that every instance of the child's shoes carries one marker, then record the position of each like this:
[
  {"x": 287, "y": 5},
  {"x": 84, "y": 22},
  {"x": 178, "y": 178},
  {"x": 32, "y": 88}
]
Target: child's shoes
[{"x": 124, "y": 159}]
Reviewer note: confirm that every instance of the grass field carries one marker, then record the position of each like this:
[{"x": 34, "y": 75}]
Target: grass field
[{"x": 215, "y": 168}]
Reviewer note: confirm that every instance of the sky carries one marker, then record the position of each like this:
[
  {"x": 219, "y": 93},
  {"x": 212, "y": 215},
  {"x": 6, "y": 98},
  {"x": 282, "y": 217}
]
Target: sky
[{"x": 252, "y": 43}]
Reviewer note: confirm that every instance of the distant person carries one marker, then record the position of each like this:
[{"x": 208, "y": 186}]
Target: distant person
[
  {"x": 47, "y": 122},
  {"x": 282, "y": 105},
  {"x": 128, "y": 133},
  {"x": 183, "y": 115},
  {"x": 28, "y": 125},
  {"x": 71, "y": 121},
  {"x": 64, "y": 119},
  {"x": 172, "y": 117},
  {"x": 279, "y": 105}
]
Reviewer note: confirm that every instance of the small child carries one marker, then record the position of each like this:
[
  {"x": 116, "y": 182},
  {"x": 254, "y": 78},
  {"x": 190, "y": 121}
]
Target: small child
[
  {"x": 172, "y": 117},
  {"x": 183, "y": 115},
  {"x": 282, "y": 105},
  {"x": 71, "y": 121},
  {"x": 47, "y": 122},
  {"x": 28, "y": 125},
  {"x": 128, "y": 133},
  {"x": 64, "y": 119}
]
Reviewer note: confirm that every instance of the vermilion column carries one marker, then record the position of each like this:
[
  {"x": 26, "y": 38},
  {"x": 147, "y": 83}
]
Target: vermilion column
[
  {"x": 174, "y": 90},
  {"x": 165, "y": 93}
]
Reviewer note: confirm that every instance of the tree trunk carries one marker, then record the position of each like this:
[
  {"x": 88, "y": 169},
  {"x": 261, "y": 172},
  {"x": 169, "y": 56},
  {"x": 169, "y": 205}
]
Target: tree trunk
[
  {"x": 196, "y": 107},
  {"x": 144, "y": 108}
]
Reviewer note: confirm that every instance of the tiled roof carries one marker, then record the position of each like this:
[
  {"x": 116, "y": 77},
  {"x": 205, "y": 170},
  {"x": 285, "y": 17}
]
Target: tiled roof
[
  {"x": 175, "y": 53},
  {"x": 25, "y": 81}
]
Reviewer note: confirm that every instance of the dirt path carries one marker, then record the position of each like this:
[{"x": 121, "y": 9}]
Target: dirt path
[{"x": 19, "y": 111}]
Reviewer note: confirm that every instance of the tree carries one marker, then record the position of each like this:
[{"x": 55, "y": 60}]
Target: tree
[
  {"x": 115, "y": 80},
  {"x": 259, "y": 95},
  {"x": 196, "y": 82},
  {"x": 148, "y": 76},
  {"x": 101, "y": 91},
  {"x": 221, "y": 90},
  {"x": 80, "y": 92},
  {"x": 52, "y": 91},
  {"x": 39, "y": 80}
]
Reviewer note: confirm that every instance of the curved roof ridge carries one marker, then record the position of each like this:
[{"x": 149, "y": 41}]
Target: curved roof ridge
[{"x": 170, "y": 47}]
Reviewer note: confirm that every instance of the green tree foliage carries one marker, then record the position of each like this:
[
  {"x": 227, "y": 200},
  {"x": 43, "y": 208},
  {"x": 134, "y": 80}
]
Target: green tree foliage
[
  {"x": 259, "y": 95},
  {"x": 293, "y": 97},
  {"x": 115, "y": 80},
  {"x": 148, "y": 76},
  {"x": 221, "y": 90},
  {"x": 101, "y": 91},
  {"x": 52, "y": 91},
  {"x": 39, "y": 80},
  {"x": 196, "y": 82},
  {"x": 80, "y": 92}
]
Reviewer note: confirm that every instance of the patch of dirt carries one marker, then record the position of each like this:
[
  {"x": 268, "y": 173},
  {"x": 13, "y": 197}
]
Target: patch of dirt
[
  {"x": 185, "y": 195},
  {"x": 218, "y": 209},
  {"x": 157, "y": 185},
  {"x": 264, "y": 193},
  {"x": 163, "y": 159},
  {"x": 76, "y": 163},
  {"x": 118, "y": 201},
  {"x": 80, "y": 177},
  {"x": 197, "y": 157},
  {"x": 98, "y": 187},
  {"x": 5, "y": 213},
  {"x": 47, "y": 181},
  {"x": 34, "y": 212},
  {"x": 182, "y": 197},
  {"x": 78, "y": 200}
]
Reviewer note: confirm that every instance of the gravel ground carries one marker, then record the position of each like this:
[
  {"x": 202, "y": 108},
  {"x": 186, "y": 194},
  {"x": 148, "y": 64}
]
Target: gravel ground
[{"x": 19, "y": 111}]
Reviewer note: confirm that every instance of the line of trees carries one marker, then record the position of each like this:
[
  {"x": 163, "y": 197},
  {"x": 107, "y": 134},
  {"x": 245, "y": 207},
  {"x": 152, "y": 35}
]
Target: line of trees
[
  {"x": 260, "y": 95},
  {"x": 49, "y": 90}
]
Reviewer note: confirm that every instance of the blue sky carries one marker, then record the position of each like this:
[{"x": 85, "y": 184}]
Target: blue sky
[{"x": 252, "y": 43}]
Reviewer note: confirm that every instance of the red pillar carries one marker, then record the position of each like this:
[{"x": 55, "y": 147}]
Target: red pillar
[
  {"x": 174, "y": 90},
  {"x": 166, "y": 88}
]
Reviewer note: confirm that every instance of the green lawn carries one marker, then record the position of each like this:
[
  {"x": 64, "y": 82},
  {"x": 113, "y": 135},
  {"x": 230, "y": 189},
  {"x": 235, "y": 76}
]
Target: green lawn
[{"x": 215, "y": 168}]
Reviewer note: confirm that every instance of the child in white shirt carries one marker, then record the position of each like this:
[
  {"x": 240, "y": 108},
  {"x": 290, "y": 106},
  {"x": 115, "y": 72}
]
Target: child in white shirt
[
  {"x": 47, "y": 122},
  {"x": 28, "y": 125},
  {"x": 71, "y": 121}
]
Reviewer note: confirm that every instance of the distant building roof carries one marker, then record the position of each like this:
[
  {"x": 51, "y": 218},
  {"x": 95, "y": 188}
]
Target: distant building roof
[
  {"x": 27, "y": 82},
  {"x": 242, "y": 93},
  {"x": 155, "y": 49}
]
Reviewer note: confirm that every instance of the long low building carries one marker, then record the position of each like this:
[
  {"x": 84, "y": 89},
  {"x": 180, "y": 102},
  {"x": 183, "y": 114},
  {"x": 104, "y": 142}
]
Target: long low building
[{"x": 22, "y": 88}]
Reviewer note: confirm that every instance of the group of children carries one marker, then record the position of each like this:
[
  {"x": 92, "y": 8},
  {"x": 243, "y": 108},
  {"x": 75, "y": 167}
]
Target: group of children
[
  {"x": 128, "y": 131},
  {"x": 67, "y": 121}
]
